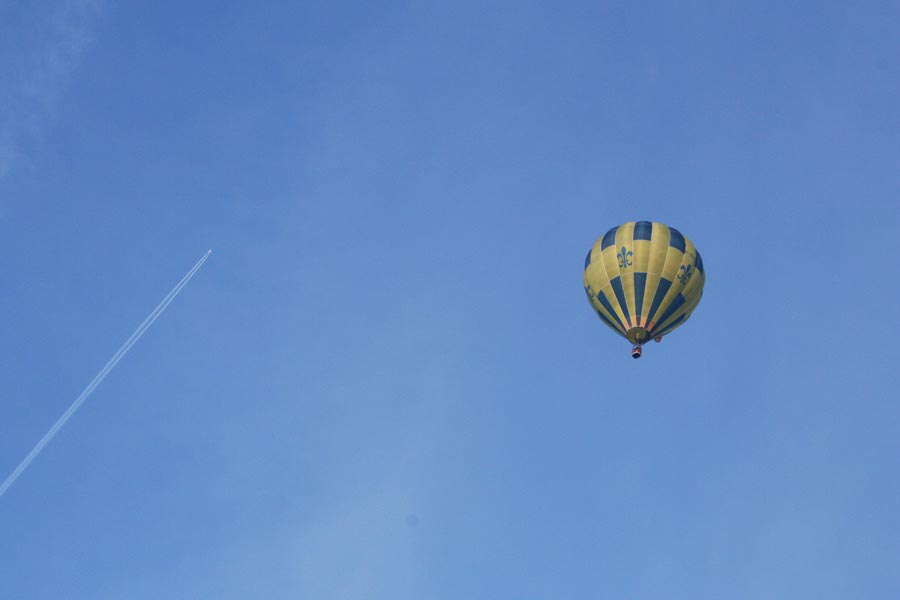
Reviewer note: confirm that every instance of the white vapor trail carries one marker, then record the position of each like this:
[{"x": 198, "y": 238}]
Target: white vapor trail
[{"x": 98, "y": 378}]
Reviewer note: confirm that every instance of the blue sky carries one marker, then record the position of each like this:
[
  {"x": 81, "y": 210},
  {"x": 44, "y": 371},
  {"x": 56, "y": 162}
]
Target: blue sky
[{"x": 386, "y": 382}]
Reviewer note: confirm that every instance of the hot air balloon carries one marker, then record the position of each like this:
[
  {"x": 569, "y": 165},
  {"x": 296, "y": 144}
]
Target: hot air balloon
[{"x": 643, "y": 280}]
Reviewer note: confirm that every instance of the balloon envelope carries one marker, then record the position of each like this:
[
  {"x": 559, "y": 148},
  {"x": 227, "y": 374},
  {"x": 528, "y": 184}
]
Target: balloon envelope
[{"x": 643, "y": 280}]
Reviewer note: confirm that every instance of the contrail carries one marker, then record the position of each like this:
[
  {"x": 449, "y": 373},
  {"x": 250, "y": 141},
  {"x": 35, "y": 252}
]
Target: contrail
[{"x": 98, "y": 378}]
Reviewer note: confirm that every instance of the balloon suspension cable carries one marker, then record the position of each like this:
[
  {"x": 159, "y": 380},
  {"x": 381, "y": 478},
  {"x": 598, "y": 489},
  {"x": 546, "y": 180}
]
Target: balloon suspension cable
[{"x": 636, "y": 351}]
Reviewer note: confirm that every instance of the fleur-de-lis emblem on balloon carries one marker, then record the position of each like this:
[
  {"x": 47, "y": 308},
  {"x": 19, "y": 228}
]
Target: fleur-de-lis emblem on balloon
[
  {"x": 624, "y": 257},
  {"x": 687, "y": 271}
]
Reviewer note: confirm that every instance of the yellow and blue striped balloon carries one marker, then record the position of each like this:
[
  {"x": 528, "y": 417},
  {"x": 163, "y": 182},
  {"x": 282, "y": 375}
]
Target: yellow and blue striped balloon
[{"x": 643, "y": 280}]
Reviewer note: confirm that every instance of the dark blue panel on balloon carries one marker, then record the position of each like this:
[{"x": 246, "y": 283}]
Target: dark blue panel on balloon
[
  {"x": 607, "y": 321},
  {"x": 640, "y": 284},
  {"x": 642, "y": 230},
  {"x": 609, "y": 239},
  {"x": 676, "y": 304},
  {"x": 620, "y": 296},
  {"x": 676, "y": 240},
  {"x": 670, "y": 326},
  {"x": 605, "y": 303},
  {"x": 661, "y": 290}
]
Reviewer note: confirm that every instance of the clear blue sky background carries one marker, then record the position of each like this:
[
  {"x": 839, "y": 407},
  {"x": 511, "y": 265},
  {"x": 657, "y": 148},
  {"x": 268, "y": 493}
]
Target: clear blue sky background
[{"x": 387, "y": 382}]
